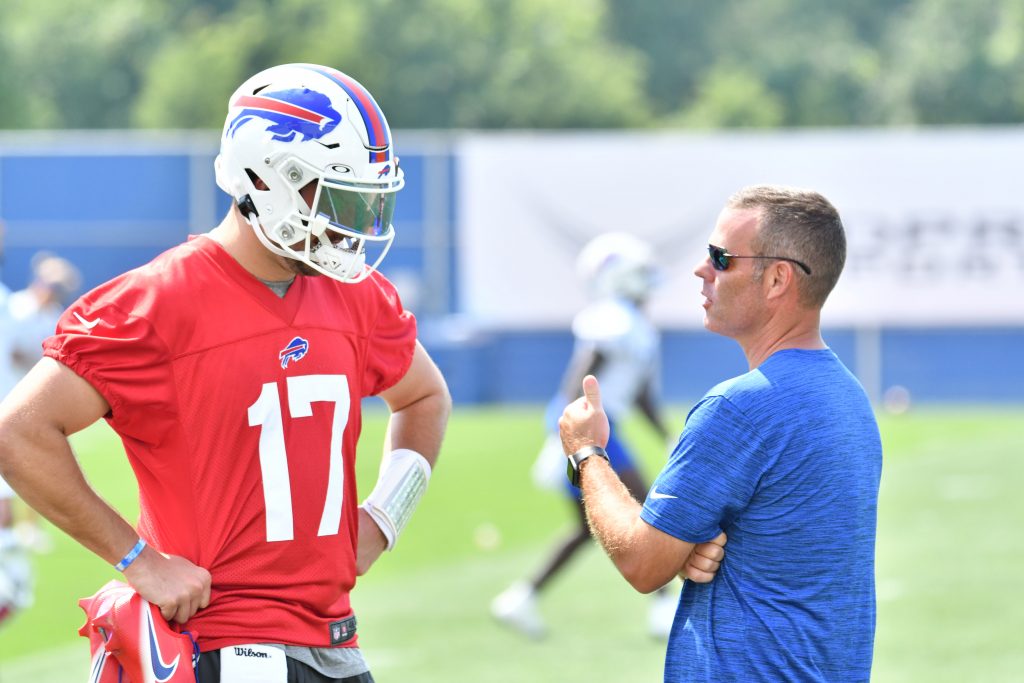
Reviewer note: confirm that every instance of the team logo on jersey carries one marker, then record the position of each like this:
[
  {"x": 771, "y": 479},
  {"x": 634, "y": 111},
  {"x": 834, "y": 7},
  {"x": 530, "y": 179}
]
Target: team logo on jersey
[
  {"x": 290, "y": 112},
  {"x": 295, "y": 351},
  {"x": 88, "y": 324}
]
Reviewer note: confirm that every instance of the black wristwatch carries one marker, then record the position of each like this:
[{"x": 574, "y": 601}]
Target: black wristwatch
[{"x": 577, "y": 458}]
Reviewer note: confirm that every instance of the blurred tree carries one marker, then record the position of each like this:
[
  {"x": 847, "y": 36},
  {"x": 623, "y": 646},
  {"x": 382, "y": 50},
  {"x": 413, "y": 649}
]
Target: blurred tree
[
  {"x": 73, "y": 65},
  {"x": 809, "y": 56},
  {"x": 956, "y": 61},
  {"x": 524, "y": 63},
  {"x": 676, "y": 41},
  {"x": 430, "y": 63},
  {"x": 731, "y": 97}
]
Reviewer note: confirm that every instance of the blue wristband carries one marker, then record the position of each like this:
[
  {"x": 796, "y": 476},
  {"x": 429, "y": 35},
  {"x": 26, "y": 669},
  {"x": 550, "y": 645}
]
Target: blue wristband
[{"x": 130, "y": 557}]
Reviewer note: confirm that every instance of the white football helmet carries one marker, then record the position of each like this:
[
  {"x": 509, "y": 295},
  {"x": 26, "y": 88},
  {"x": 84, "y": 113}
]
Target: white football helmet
[
  {"x": 619, "y": 265},
  {"x": 296, "y": 124}
]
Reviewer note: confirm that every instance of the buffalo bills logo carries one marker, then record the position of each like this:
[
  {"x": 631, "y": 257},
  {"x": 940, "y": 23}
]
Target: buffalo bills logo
[
  {"x": 295, "y": 351},
  {"x": 384, "y": 171},
  {"x": 290, "y": 112}
]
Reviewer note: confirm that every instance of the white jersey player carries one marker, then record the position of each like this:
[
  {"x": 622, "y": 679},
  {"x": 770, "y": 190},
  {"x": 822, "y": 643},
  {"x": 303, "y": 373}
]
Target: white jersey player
[{"x": 616, "y": 342}]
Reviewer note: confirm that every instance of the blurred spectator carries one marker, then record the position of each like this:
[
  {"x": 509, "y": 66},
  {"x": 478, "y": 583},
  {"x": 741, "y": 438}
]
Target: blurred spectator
[
  {"x": 15, "y": 569},
  {"x": 36, "y": 309},
  {"x": 31, "y": 316}
]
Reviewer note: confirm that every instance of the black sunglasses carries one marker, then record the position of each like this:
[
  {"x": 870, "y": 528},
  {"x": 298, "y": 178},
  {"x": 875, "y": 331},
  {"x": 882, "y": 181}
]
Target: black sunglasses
[{"x": 720, "y": 259}]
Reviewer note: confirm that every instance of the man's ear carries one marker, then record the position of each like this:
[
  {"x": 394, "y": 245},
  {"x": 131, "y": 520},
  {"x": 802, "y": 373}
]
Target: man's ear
[{"x": 779, "y": 279}]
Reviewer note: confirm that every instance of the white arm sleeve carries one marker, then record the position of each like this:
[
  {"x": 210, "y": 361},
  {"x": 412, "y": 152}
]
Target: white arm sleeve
[{"x": 403, "y": 479}]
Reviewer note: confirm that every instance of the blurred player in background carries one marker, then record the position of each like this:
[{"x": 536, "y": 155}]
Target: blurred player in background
[
  {"x": 615, "y": 340},
  {"x": 784, "y": 459},
  {"x": 36, "y": 309},
  {"x": 233, "y": 367},
  {"x": 16, "y": 591},
  {"x": 34, "y": 312}
]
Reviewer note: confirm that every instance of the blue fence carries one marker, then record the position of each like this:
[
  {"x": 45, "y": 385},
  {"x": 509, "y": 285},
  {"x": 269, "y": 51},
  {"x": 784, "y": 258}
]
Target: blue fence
[{"x": 110, "y": 202}]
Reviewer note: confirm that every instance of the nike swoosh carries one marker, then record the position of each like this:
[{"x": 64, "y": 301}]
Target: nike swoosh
[
  {"x": 659, "y": 496},
  {"x": 89, "y": 324},
  {"x": 161, "y": 671}
]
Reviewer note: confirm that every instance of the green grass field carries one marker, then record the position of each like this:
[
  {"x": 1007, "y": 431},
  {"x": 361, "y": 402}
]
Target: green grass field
[{"x": 950, "y": 563}]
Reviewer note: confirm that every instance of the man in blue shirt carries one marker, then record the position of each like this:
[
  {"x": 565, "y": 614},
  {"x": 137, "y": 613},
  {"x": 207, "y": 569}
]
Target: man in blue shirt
[{"x": 785, "y": 460}]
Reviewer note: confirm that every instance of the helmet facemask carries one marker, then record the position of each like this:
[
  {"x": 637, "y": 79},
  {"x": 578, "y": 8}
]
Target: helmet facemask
[{"x": 347, "y": 233}]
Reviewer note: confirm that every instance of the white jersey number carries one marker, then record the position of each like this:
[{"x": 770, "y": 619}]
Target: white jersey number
[{"x": 265, "y": 413}]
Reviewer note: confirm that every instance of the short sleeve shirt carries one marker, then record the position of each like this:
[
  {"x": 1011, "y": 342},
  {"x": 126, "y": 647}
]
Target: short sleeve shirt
[
  {"x": 785, "y": 459},
  {"x": 240, "y": 413}
]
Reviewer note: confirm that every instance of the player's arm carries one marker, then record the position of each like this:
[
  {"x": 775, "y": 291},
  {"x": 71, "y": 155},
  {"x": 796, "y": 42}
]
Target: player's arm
[
  {"x": 49, "y": 404},
  {"x": 420, "y": 405},
  {"x": 647, "y": 557}
]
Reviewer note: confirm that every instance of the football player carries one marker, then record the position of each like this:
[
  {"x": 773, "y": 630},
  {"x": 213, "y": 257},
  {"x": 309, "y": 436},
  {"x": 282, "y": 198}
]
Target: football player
[
  {"x": 233, "y": 367},
  {"x": 615, "y": 340}
]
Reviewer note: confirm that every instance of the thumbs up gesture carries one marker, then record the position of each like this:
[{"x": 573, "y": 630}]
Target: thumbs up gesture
[{"x": 583, "y": 422}]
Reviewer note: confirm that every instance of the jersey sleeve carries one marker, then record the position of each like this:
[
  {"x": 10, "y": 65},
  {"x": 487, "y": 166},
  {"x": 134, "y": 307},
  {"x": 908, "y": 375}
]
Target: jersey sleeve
[
  {"x": 711, "y": 475},
  {"x": 123, "y": 357},
  {"x": 391, "y": 343}
]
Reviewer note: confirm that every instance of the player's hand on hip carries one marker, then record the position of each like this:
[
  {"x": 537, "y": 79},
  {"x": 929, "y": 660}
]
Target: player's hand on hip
[
  {"x": 371, "y": 543},
  {"x": 705, "y": 559},
  {"x": 172, "y": 583},
  {"x": 583, "y": 422}
]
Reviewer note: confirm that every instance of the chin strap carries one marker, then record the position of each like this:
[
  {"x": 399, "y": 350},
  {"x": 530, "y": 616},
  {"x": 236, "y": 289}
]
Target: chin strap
[
  {"x": 403, "y": 479},
  {"x": 341, "y": 264},
  {"x": 253, "y": 220}
]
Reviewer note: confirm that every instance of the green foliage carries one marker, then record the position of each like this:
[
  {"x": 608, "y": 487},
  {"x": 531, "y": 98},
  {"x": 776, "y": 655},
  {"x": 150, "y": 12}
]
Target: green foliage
[
  {"x": 734, "y": 98},
  {"x": 948, "y": 562},
  {"x": 524, "y": 63}
]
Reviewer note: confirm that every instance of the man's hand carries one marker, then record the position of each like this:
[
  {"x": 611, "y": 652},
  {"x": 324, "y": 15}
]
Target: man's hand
[
  {"x": 371, "y": 543},
  {"x": 175, "y": 585},
  {"x": 704, "y": 560},
  {"x": 584, "y": 423}
]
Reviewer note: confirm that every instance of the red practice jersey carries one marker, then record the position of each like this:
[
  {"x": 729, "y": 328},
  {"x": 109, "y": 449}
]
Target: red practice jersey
[{"x": 240, "y": 413}]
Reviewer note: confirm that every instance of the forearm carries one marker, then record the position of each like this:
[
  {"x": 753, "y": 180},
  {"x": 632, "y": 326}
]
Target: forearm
[
  {"x": 419, "y": 405},
  {"x": 41, "y": 467},
  {"x": 612, "y": 514},
  {"x": 413, "y": 431},
  {"x": 645, "y": 556}
]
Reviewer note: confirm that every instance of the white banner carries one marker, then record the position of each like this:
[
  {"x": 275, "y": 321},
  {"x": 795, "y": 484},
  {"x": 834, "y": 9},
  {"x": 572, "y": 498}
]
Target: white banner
[{"x": 934, "y": 218}]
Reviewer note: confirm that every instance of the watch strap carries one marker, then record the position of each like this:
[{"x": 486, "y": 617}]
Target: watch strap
[{"x": 577, "y": 458}]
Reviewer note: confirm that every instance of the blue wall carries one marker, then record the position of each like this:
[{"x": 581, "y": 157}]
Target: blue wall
[{"x": 934, "y": 365}]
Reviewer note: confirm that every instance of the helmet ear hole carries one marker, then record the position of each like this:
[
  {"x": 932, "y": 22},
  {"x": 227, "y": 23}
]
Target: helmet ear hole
[{"x": 256, "y": 181}]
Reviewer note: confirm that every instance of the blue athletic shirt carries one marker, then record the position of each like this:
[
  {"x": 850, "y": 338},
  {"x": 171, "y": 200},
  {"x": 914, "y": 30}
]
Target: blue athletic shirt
[{"x": 786, "y": 460}]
